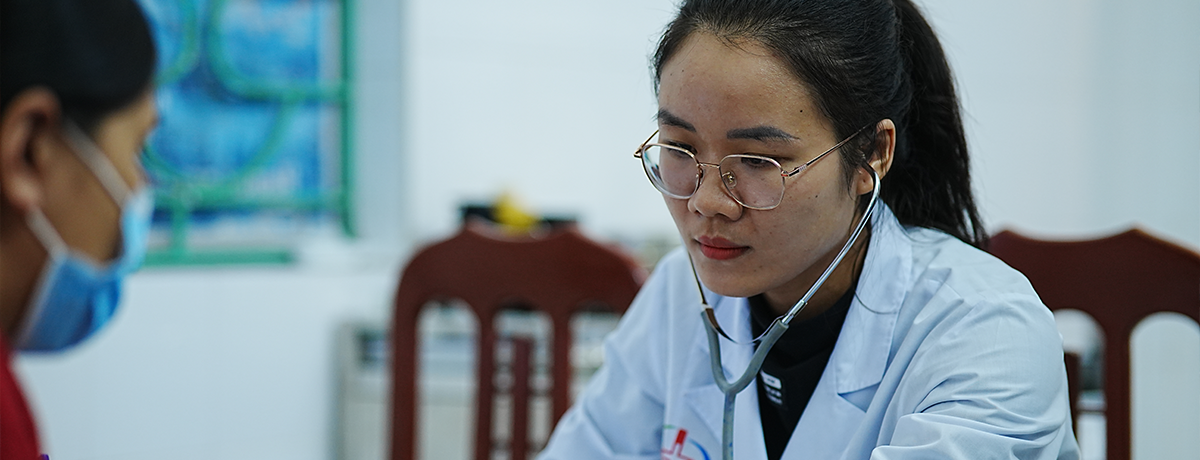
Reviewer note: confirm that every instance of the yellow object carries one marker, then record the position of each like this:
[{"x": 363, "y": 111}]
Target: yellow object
[{"x": 512, "y": 215}]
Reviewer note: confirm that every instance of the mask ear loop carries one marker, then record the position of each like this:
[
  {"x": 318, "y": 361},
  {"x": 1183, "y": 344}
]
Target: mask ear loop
[
  {"x": 103, "y": 169},
  {"x": 91, "y": 155},
  {"x": 45, "y": 232}
]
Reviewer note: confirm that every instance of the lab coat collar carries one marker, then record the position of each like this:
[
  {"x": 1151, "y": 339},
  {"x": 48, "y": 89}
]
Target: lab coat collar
[{"x": 860, "y": 356}]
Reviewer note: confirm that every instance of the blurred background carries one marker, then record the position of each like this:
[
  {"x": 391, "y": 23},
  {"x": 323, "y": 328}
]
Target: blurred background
[{"x": 308, "y": 147}]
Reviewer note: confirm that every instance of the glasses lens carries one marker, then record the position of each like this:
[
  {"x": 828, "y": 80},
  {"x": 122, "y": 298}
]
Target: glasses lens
[
  {"x": 673, "y": 171},
  {"x": 756, "y": 182}
]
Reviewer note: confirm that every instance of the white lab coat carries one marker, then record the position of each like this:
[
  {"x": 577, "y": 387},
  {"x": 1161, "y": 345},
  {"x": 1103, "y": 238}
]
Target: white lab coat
[{"x": 946, "y": 352}]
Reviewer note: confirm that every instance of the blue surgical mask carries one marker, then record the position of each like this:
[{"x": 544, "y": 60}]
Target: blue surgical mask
[{"x": 76, "y": 295}]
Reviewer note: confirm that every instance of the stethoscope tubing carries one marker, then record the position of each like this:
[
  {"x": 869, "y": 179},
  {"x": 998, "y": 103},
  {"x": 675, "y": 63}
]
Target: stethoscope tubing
[
  {"x": 732, "y": 389},
  {"x": 768, "y": 339}
]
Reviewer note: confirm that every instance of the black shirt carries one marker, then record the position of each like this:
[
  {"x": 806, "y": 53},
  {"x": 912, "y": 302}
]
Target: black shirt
[{"x": 793, "y": 367}]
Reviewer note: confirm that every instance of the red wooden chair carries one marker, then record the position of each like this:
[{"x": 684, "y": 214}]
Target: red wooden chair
[
  {"x": 560, "y": 274},
  {"x": 1119, "y": 281}
]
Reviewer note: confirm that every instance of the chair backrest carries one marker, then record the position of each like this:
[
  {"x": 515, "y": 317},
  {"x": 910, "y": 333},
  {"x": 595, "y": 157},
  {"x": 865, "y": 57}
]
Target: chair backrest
[
  {"x": 1119, "y": 281},
  {"x": 559, "y": 274}
]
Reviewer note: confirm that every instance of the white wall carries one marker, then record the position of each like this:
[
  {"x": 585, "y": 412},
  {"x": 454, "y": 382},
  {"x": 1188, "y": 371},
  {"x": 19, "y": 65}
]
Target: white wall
[
  {"x": 547, "y": 99},
  {"x": 1084, "y": 117}
]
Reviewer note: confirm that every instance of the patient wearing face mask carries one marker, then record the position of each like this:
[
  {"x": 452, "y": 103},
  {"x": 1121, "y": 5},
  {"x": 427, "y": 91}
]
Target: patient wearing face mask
[{"x": 76, "y": 105}]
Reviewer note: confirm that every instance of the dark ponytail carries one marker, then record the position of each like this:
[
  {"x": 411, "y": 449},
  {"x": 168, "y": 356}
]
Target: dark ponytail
[
  {"x": 931, "y": 155},
  {"x": 96, "y": 56},
  {"x": 864, "y": 61}
]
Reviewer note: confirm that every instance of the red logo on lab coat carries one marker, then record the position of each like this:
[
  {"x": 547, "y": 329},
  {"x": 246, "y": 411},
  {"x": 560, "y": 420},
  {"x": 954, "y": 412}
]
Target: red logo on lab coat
[{"x": 681, "y": 447}]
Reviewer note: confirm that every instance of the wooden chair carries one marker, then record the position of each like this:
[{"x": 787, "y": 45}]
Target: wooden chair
[
  {"x": 1119, "y": 281},
  {"x": 559, "y": 274}
]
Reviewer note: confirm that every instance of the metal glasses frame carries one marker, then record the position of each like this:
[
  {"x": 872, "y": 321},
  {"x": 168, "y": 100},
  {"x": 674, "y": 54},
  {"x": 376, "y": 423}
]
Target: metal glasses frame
[{"x": 727, "y": 177}]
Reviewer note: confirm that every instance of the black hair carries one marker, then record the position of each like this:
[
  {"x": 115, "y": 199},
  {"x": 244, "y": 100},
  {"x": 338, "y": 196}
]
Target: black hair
[
  {"x": 96, "y": 56},
  {"x": 863, "y": 61}
]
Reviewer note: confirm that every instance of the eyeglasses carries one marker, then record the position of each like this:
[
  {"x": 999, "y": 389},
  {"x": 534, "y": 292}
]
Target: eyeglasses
[{"x": 754, "y": 181}]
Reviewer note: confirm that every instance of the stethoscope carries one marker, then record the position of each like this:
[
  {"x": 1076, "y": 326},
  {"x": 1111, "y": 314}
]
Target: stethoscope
[{"x": 768, "y": 338}]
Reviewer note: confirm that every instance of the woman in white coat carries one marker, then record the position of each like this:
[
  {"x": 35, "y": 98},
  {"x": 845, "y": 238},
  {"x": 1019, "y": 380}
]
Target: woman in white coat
[{"x": 778, "y": 121}]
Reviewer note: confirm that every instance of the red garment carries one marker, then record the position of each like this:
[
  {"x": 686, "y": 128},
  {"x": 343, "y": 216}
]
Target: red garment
[{"x": 18, "y": 436}]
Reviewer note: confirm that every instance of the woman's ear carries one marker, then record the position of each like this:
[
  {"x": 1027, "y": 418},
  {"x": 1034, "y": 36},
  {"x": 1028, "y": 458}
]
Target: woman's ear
[
  {"x": 881, "y": 158},
  {"x": 27, "y": 127}
]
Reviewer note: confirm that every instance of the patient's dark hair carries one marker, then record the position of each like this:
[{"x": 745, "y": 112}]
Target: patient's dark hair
[
  {"x": 864, "y": 61},
  {"x": 96, "y": 56}
]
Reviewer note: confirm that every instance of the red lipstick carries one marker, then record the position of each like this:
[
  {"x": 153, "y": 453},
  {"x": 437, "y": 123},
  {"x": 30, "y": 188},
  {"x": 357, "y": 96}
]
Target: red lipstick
[{"x": 720, "y": 248}]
